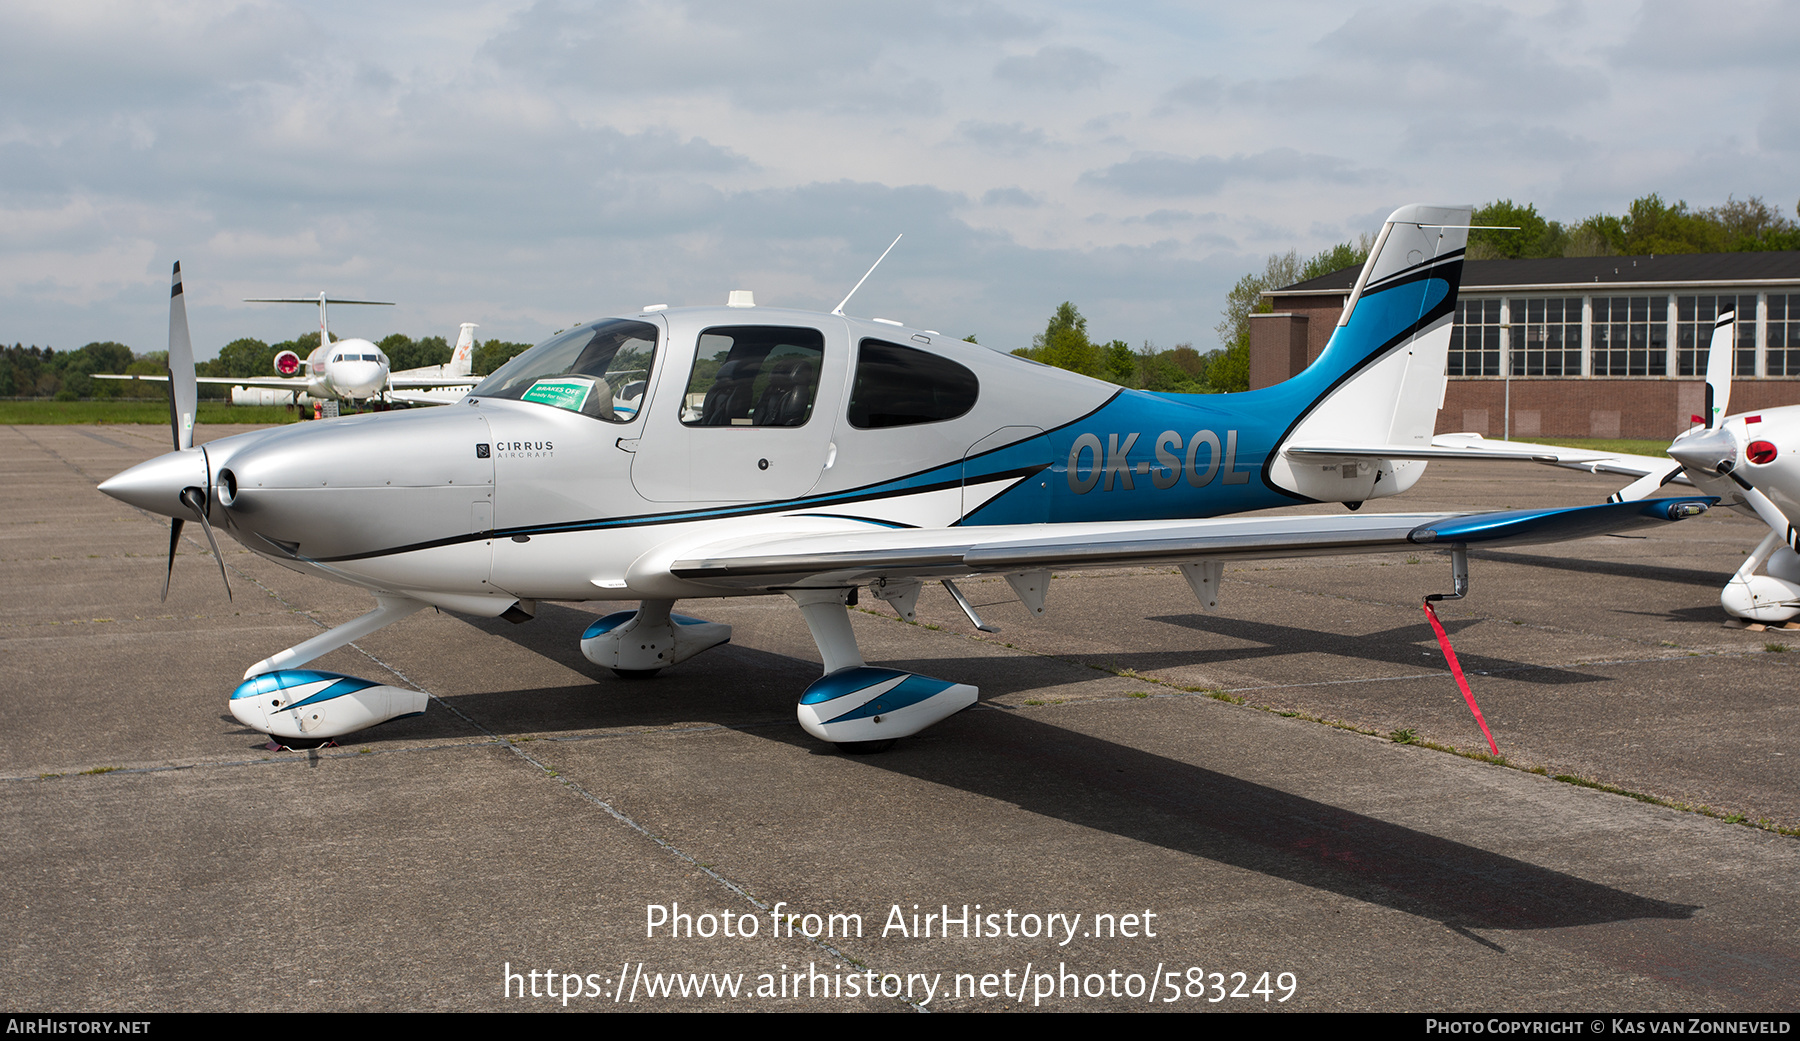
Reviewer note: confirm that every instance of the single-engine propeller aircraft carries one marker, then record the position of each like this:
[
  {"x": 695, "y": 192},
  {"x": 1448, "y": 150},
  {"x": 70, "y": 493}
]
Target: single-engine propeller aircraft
[
  {"x": 1748, "y": 462},
  {"x": 354, "y": 369},
  {"x": 724, "y": 451}
]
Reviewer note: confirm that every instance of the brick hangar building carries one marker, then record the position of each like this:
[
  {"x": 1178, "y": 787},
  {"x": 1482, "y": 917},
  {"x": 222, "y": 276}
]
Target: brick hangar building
[{"x": 1578, "y": 346}]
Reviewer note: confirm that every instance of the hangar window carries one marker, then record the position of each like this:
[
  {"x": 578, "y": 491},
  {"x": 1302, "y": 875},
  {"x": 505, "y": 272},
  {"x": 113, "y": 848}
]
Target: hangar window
[
  {"x": 1546, "y": 336},
  {"x": 899, "y": 386},
  {"x": 1475, "y": 339},
  {"x": 1784, "y": 334},
  {"x": 598, "y": 370},
  {"x": 1631, "y": 336},
  {"x": 762, "y": 376},
  {"x": 1694, "y": 317}
]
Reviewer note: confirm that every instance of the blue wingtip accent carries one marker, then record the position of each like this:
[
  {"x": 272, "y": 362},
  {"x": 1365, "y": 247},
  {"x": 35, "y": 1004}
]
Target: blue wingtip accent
[{"x": 1526, "y": 527}]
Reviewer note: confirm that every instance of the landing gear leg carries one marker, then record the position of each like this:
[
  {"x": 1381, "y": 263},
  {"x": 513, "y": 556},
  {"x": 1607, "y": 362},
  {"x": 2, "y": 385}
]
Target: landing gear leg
[
  {"x": 310, "y": 707},
  {"x": 860, "y": 708}
]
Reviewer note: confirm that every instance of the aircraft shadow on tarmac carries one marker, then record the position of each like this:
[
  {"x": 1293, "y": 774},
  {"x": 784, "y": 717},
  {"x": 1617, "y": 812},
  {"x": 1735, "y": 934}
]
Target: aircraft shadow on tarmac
[
  {"x": 1409, "y": 645},
  {"x": 1078, "y": 778},
  {"x": 1712, "y": 580}
]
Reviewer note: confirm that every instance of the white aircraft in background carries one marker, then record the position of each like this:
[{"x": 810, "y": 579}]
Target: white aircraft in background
[
  {"x": 1749, "y": 462},
  {"x": 825, "y": 454},
  {"x": 353, "y": 369}
]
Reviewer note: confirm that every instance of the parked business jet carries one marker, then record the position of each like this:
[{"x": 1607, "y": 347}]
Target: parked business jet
[
  {"x": 1749, "y": 462},
  {"x": 353, "y": 369},
  {"x": 666, "y": 454}
]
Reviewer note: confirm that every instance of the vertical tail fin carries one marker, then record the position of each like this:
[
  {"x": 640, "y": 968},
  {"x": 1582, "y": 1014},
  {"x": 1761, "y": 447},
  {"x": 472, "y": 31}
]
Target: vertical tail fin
[
  {"x": 461, "y": 360},
  {"x": 1381, "y": 378}
]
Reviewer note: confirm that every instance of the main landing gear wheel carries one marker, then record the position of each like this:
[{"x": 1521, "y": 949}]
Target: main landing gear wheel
[
  {"x": 635, "y": 674},
  {"x": 865, "y": 747}
]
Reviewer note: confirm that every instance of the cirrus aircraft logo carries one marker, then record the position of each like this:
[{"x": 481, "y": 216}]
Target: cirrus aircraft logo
[{"x": 516, "y": 450}]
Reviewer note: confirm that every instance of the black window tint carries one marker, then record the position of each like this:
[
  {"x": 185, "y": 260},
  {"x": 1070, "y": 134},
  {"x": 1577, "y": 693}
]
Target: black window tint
[
  {"x": 754, "y": 376},
  {"x": 898, "y": 386}
]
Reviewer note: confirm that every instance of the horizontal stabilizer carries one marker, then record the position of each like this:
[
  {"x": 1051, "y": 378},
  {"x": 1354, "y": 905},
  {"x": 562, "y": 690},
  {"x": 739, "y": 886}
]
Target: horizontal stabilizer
[{"x": 1326, "y": 448}]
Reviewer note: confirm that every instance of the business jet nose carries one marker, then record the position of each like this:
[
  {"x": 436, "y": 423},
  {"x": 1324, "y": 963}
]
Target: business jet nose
[
  {"x": 357, "y": 379},
  {"x": 1710, "y": 451},
  {"x": 156, "y": 485}
]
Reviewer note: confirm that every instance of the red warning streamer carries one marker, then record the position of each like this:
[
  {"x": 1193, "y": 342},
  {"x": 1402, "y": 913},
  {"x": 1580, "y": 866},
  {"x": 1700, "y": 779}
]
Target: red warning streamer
[{"x": 1456, "y": 670}]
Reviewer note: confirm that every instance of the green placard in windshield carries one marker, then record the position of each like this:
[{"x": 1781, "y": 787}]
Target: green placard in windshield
[{"x": 562, "y": 393}]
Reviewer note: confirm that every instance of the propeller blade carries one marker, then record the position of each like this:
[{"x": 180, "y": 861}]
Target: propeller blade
[
  {"x": 174, "y": 540},
  {"x": 195, "y": 499},
  {"x": 1644, "y": 487},
  {"x": 184, "y": 391},
  {"x": 1718, "y": 369}
]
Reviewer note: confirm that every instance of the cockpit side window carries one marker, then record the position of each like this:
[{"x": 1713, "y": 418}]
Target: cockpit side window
[
  {"x": 761, "y": 376},
  {"x": 598, "y": 370},
  {"x": 899, "y": 386}
]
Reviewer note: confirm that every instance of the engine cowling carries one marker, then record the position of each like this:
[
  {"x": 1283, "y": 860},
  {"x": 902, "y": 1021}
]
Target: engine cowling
[{"x": 287, "y": 363}]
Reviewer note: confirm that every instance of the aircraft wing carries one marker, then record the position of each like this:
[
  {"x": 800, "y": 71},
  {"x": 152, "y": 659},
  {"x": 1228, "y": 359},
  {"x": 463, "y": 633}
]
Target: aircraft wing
[
  {"x": 849, "y": 552},
  {"x": 277, "y": 382},
  {"x": 1474, "y": 446}
]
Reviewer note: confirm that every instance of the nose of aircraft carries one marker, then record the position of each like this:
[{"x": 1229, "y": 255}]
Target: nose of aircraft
[
  {"x": 1706, "y": 451},
  {"x": 156, "y": 485}
]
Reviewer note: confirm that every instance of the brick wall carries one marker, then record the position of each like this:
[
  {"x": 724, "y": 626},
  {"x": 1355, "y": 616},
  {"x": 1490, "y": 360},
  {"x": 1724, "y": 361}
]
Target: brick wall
[{"x": 1651, "y": 409}]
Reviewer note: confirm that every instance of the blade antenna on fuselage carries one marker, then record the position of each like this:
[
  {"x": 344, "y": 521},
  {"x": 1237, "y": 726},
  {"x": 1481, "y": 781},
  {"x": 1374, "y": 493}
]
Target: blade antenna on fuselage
[{"x": 839, "y": 309}]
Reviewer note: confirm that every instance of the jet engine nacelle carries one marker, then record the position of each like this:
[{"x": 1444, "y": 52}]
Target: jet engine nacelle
[
  {"x": 305, "y": 704},
  {"x": 287, "y": 363}
]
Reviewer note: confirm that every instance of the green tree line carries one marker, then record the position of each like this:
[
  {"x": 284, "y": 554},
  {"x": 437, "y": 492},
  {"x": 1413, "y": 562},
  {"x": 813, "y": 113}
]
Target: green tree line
[
  {"x": 44, "y": 372},
  {"x": 1181, "y": 369},
  {"x": 1648, "y": 226}
]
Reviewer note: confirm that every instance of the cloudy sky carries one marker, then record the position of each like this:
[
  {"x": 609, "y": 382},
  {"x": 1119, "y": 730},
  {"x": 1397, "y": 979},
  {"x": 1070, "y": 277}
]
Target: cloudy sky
[{"x": 529, "y": 165}]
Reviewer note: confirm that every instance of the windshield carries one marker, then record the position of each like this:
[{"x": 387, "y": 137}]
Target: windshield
[{"x": 598, "y": 370}]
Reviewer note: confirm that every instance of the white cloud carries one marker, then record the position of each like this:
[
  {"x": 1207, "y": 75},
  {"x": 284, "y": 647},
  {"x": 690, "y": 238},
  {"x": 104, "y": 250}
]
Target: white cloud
[{"x": 525, "y": 164}]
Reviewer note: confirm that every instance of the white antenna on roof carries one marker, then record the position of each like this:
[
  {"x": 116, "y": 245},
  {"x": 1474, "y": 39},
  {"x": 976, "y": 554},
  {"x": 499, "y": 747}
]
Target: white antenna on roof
[{"x": 839, "y": 309}]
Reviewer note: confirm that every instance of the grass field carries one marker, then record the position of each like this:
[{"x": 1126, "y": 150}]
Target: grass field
[
  {"x": 141, "y": 410},
  {"x": 1617, "y": 444}
]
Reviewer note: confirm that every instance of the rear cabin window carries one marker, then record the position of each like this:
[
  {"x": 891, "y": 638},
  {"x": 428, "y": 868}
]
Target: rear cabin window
[
  {"x": 900, "y": 386},
  {"x": 754, "y": 376}
]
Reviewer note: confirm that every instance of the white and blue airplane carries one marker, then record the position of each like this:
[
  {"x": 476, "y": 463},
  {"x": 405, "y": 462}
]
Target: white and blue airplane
[{"x": 676, "y": 454}]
